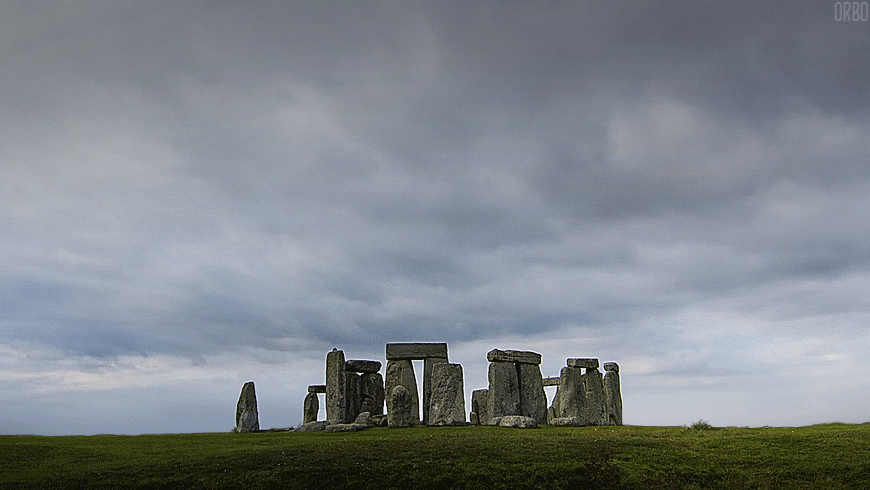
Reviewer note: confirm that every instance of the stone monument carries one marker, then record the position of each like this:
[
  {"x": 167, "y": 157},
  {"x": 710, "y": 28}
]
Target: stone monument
[{"x": 247, "y": 418}]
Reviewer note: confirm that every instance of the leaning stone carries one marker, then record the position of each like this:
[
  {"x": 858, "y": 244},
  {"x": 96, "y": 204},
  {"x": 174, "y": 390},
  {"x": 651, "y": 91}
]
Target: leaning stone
[
  {"x": 336, "y": 390},
  {"x": 589, "y": 363},
  {"x": 371, "y": 389},
  {"x": 448, "y": 395},
  {"x": 472, "y": 418},
  {"x": 364, "y": 418},
  {"x": 428, "y": 364},
  {"x": 247, "y": 418},
  {"x": 401, "y": 350},
  {"x": 310, "y": 407},
  {"x": 360, "y": 366},
  {"x": 399, "y": 414},
  {"x": 345, "y": 427},
  {"x": 314, "y": 426},
  {"x": 612, "y": 393},
  {"x": 479, "y": 401},
  {"x": 572, "y": 394},
  {"x": 526, "y": 357},
  {"x": 533, "y": 400},
  {"x": 504, "y": 392},
  {"x": 518, "y": 422},
  {"x": 401, "y": 373},
  {"x": 551, "y": 381},
  {"x": 568, "y": 422},
  {"x": 317, "y": 389}
]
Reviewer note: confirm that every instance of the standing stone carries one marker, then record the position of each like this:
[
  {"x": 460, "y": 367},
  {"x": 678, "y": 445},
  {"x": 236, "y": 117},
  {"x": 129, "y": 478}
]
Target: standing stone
[
  {"x": 336, "y": 390},
  {"x": 596, "y": 409},
  {"x": 572, "y": 394},
  {"x": 247, "y": 418},
  {"x": 401, "y": 373},
  {"x": 352, "y": 396},
  {"x": 504, "y": 392},
  {"x": 372, "y": 393},
  {"x": 428, "y": 365},
  {"x": 479, "y": 400},
  {"x": 612, "y": 393},
  {"x": 310, "y": 408},
  {"x": 533, "y": 400},
  {"x": 448, "y": 395},
  {"x": 399, "y": 413}
]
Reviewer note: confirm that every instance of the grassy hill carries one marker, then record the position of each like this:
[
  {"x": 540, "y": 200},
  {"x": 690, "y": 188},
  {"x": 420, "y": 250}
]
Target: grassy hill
[{"x": 822, "y": 456}]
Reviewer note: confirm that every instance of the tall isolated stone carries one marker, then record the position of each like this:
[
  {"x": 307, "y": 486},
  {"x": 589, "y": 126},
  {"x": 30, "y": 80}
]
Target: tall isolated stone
[
  {"x": 612, "y": 393},
  {"x": 247, "y": 418},
  {"x": 447, "y": 402},
  {"x": 401, "y": 373}
]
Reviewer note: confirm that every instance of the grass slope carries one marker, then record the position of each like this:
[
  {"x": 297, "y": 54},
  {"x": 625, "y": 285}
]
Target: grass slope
[{"x": 823, "y": 456}]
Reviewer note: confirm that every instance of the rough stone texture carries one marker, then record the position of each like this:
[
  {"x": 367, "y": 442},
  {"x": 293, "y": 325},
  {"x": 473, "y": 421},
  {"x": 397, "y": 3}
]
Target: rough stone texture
[
  {"x": 504, "y": 390},
  {"x": 336, "y": 403},
  {"x": 314, "y": 426},
  {"x": 551, "y": 414},
  {"x": 518, "y": 422},
  {"x": 588, "y": 363},
  {"x": 472, "y": 418},
  {"x": 568, "y": 422},
  {"x": 378, "y": 420},
  {"x": 364, "y": 418},
  {"x": 551, "y": 381},
  {"x": 352, "y": 396},
  {"x": 401, "y": 373},
  {"x": 572, "y": 394},
  {"x": 317, "y": 389},
  {"x": 479, "y": 401},
  {"x": 345, "y": 427},
  {"x": 533, "y": 400},
  {"x": 447, "y": 403},
  {"x": 428, "y": 365},
  {"x": 360, "y": 366},
  {"x": 247, "y": 418},
  {"x": 494, "y": 421},
  {"x": 612, "y": 394},
  {"x": 526, "y": 357},
  {"x": 310, "y": 407},
  {"x": 399, "y": 413},
  {"x": 596, "y": 408},
  {"x": 399, "y": 350},
  {"x": 372, "y": 392}
]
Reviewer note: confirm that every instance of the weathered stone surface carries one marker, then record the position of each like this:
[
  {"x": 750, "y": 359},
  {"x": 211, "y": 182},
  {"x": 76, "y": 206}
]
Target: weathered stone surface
[
  {"x": 551, "y": 381},
  {"x": 473, "y": 419},
  {"x": 360, "y": 366},
  {"x": 372, "y": 392},
  {"x": 364, "y": 418},
  {"x": 504, "y": 390},
  {"x": 596, "y": 408},
  {"x": 400, "y": 350},
  {"x": 378, "y": 420},
  {"x": 568, "y": 422},
  {"x": 494, "y": 421},
  {"x": 517, "y": 422},
  {"x": 612, "y": 393},
  {"x": 345, "y": 427},
  {"x": 526, "y": 357},
  {"x": 428, "y": 364},
  {"x": 352, "y": 396},
  {"x": 551, "y": 414},
  {"x": 247, "y": 418},
  {"x": 314, "y": 426},
  {"x": 572, "y": 394},
  {"x": 399, "y": 413},
  {"x": 336, "y": 390},
  {"x": 479, "y": 400},
  {"x": 533, "y": 400},
  {"x": 310, "y": 408},
  {"x": 447, "y": 403},
  {"x": 589, "y": 363},
  {"x": 401, "y": 373},
  {"x": 317, "y": 389}
]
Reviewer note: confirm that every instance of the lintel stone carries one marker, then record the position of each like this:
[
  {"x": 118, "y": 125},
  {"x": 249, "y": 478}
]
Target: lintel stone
[
  {"x": 589, "y": 363},
  {"x": 419, "y": 350},
  {"x": 360, "y": 366},
  {"x": 552, "y": 381},
  {"x": 317, "y": 389},
  {"x": 525, "y": 357}
]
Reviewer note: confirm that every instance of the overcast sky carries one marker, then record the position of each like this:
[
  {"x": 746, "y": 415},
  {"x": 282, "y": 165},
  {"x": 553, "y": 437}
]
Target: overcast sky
[{"x": 197, "y": 194}]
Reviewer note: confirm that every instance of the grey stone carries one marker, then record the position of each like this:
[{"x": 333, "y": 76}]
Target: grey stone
[
  {"x": 525, "y": 357},
  {"x": 399, "y": 350},
  {"x": 399, "y": 413},
  {"x": 588, "y": 363},
  {"x": 247, "y": 418},
  {"x": 428, "y": 364},
  {"x": 447, "y": 403},
  {"x": 572, "y": 394},
  {"x": 336, "y": 390},
  {"x": 372, "y": 392},
  {"x": 364, "y": 418},
  {"x": 533, "y": 400},
  {"x": 612, "y": 394},
  {"x": 517, "y": 422},
  {"x": 378, "y": 420},
  {"x": 568, "y": 422},
  {"x": 472, "y": 418},
  {"x": 314, "y": 426},
  {"x": 401, "y": 373},
  {"x": 352, "y": 396},
  {"x": 310, "y": 407},
  {"x": 345, "y": 427},
  {"x": 551, "y": 414},
  {"x": 596, "y": 408},
  {"x": 479, "y": 401},
  {"x": 360, "y": 366},
  {"x": 504, "y": 392},
  {"x": 551, "y": 381},
  {"x": 317, "y": 389},
  {"x": 494, "y": 421}
]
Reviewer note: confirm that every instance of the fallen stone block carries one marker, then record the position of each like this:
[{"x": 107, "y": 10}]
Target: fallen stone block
[
  {"x": 568, "y": 422},
  {"x": 525, "y": 357},
  {"x": 517, "y": 422},
  {"x": 345, "y": 427},
  {"x": 313, "y": 426}
]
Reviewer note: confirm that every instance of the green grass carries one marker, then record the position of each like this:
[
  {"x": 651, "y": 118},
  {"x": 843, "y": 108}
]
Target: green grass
[{"x": 823, "y": 456}]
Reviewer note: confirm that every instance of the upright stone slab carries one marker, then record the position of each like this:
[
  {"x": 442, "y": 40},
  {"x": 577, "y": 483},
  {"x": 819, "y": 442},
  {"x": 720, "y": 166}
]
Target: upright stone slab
[
  {"x": 401, "y": 373},
  {"x": 428, "y": 364},
  {"x": 533, "y": 400},
  {"x": 479, "y": 401},
  {"x": 612, "y": 393},
  {"x": 525, "y": 357},
  {"x": 596, "y": 409},
  {"x": 422, "y": 350},
  {"x": 504, "y": 390},
  {"x": 372, "y": 393},
  {"x": 336, "y": 390},
  {"x": 310, "y": 408},
  {"x": 399, "y": 413},
  {"x": 572, "y": 394},
  {"x": 448, "y": 395},
  {"x": 247, "y": 418},
  {"x": 352, "y": 396}
]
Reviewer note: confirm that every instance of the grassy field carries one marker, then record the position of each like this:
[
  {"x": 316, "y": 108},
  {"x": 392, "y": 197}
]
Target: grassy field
[{"x": 822, "y": 456}]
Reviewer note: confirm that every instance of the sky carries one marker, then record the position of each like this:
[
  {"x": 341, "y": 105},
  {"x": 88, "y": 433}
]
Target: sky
[{"x": 198, "y": 194}]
